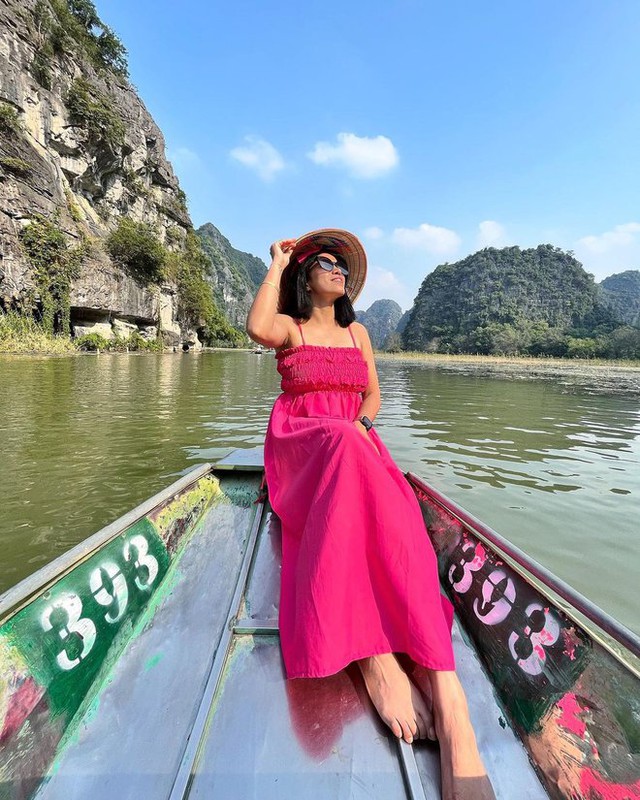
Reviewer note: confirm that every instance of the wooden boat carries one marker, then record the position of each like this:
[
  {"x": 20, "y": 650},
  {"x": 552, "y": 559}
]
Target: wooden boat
[{"x": 145, "y": 664}]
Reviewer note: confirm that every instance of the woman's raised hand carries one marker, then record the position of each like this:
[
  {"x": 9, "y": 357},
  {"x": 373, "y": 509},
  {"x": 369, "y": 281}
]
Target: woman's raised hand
[{"x": 281, "y": 252}]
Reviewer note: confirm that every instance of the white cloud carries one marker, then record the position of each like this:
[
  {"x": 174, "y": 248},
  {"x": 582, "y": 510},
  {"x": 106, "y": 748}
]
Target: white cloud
[
  {"x": 259, "y": 155},
  {"x": 182, "y": 158},
  {"x": 362, "y": 156},
  {"x": 373, "y": 233},
  {"x": 612, "y": 251},
  {"x": 430, "y": 238},
  {"x": 383, "y": 284},
  {"x": 491, "y": 234},
  {"x": 620, "y": 236}
]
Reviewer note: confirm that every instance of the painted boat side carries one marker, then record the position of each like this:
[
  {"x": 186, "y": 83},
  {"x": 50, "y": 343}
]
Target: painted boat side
[
  {"x": 574, "y": 702},
  {"x": 58, "y": 647}
]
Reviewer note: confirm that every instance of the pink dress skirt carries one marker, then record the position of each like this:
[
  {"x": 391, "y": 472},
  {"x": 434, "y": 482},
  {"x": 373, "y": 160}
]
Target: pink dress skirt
[{"x": 359, "y": 575}]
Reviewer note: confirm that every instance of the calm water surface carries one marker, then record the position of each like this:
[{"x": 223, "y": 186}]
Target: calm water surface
[{"x": 551, "y": 465}]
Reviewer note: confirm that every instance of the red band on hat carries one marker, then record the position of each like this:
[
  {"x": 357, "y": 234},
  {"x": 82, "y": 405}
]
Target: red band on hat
[{"x": 304, "y": 254}]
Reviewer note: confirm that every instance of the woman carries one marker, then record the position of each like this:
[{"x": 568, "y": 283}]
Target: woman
[{"x": 359, "y": 577}]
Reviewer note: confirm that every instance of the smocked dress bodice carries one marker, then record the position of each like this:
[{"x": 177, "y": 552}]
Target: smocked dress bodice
[{"x": 314, "y": 368}]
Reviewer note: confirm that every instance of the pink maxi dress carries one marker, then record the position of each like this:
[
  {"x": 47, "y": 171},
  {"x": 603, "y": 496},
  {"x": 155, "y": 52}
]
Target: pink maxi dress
[{"x": 359, "y": 574}]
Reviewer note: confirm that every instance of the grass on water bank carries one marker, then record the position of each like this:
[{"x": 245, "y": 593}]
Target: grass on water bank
[
  {"x": 20, "y": 334},
  {"x": 531, "y": 361}
]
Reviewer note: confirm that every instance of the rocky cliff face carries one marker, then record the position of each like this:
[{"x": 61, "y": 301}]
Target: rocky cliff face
[
  {"x": 234, "y": 275},
  {"x": 77, "y": 142},
  {"x": 381, "y": 319}
]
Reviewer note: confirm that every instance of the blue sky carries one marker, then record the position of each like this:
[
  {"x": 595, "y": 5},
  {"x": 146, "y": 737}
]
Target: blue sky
[{"x": 428, "y": 129}]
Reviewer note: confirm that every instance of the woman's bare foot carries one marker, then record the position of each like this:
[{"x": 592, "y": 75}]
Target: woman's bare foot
[
  {"x": 420, "y": 677},
  {"x": 395, "y": 697},
  {"x": 462, "y": 771}
]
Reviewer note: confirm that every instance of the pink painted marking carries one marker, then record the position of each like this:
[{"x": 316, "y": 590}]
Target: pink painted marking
[
  {"x": 592, "y": 785},
  {"x": 480, "y": 557},
  {"x": 569, "y": 719},
  {"x": 546, "y": 636},
  {"x": 21, "y": 704}
]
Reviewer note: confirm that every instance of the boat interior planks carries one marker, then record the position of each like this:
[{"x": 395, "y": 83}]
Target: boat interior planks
[
  {"x": 146, "y": 663},
  {"x": 300, "y": 738}
]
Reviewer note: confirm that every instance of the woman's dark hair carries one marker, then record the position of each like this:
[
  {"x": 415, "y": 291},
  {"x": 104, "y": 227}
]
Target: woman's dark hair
[{"x": 295, "y": 300}]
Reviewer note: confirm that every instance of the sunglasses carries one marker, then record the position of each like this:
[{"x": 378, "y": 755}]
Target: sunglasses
[{"x": 329, "y": 266}]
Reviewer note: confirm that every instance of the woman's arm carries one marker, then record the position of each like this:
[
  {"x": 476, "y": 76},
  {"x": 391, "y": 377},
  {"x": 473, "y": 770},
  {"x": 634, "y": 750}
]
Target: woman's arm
[
  {"x": 371, "y": 395},
  {"x": 264, "y": 324}
]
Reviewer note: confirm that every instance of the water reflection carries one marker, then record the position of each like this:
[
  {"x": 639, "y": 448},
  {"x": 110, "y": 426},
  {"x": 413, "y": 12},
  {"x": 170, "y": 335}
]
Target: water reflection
[
  {"x": 87, "y": 438},
  {"x": 554, "y": 472}
]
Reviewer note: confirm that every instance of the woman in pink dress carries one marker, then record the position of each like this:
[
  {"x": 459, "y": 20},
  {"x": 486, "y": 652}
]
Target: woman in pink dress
[{"x": 359, "y": 577}]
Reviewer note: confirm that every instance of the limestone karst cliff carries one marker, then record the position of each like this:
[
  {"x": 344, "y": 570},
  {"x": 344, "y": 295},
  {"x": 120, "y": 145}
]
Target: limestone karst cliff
[
  {"x": 381, "y": 320},
  {"x": 234, "y": 276},
  {"x": 79, "y": 150}
]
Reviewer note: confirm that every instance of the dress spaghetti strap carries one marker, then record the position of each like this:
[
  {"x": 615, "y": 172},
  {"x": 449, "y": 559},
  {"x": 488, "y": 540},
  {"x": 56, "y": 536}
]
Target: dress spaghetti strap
[
  {"x": 300, "y": 329},
  {"x": 352, "y": 339}
]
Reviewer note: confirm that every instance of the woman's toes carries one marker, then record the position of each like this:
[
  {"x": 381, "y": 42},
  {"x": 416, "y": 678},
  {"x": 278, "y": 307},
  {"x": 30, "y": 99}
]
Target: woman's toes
[
  {"x": 397, "y": 729},
  {"x": 407, "y": 733}
]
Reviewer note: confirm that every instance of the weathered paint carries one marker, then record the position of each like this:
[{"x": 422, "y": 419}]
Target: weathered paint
[
  {"x": 65, "y": 634},
  {"x": 179, "y": 514},
  {"x": 57, "y": 650},
  {"x": 575, "y": 706},
  {"x": 521, "y": 639}
]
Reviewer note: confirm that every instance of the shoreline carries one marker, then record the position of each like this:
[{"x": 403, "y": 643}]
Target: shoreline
[
  {"x": 534, "y": 363},
  {"x": 600, "y": 376},
  {"x": 514, "y": 361}
]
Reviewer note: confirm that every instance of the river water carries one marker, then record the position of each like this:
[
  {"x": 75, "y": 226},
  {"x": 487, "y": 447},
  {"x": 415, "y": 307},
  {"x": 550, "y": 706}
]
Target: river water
[{"x": 553, "y": 465}]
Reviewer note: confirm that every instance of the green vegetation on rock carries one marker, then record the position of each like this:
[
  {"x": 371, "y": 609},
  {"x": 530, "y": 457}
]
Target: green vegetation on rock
[
  {"x": 244, "y": 271},
  {"x": 9, "y": 119},
  {"x": 94, "y": 342},
  {"x": 64, "y": 26},
  {"x": 195, "y": 299},
  {"x": 16, "y": 165},
  {"x": 137, "y": 248},
  {"x": 93, "y": 111},
  {"x": 55, "y": 264}
]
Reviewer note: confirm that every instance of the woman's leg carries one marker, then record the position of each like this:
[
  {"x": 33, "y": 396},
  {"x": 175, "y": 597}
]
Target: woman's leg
[{"x": 462, "y": 772}]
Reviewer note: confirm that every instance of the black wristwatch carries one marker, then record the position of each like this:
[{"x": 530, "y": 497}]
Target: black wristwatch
[{"x": 366, "y": 422}]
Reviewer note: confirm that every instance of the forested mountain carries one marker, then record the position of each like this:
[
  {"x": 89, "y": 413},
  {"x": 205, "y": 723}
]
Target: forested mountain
[
  {"x": 621, "y": 294},
  {"x": 536, "y": 301},
  {"x": 234, "y": 275},
  {"x": 381, "y": 319}
]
